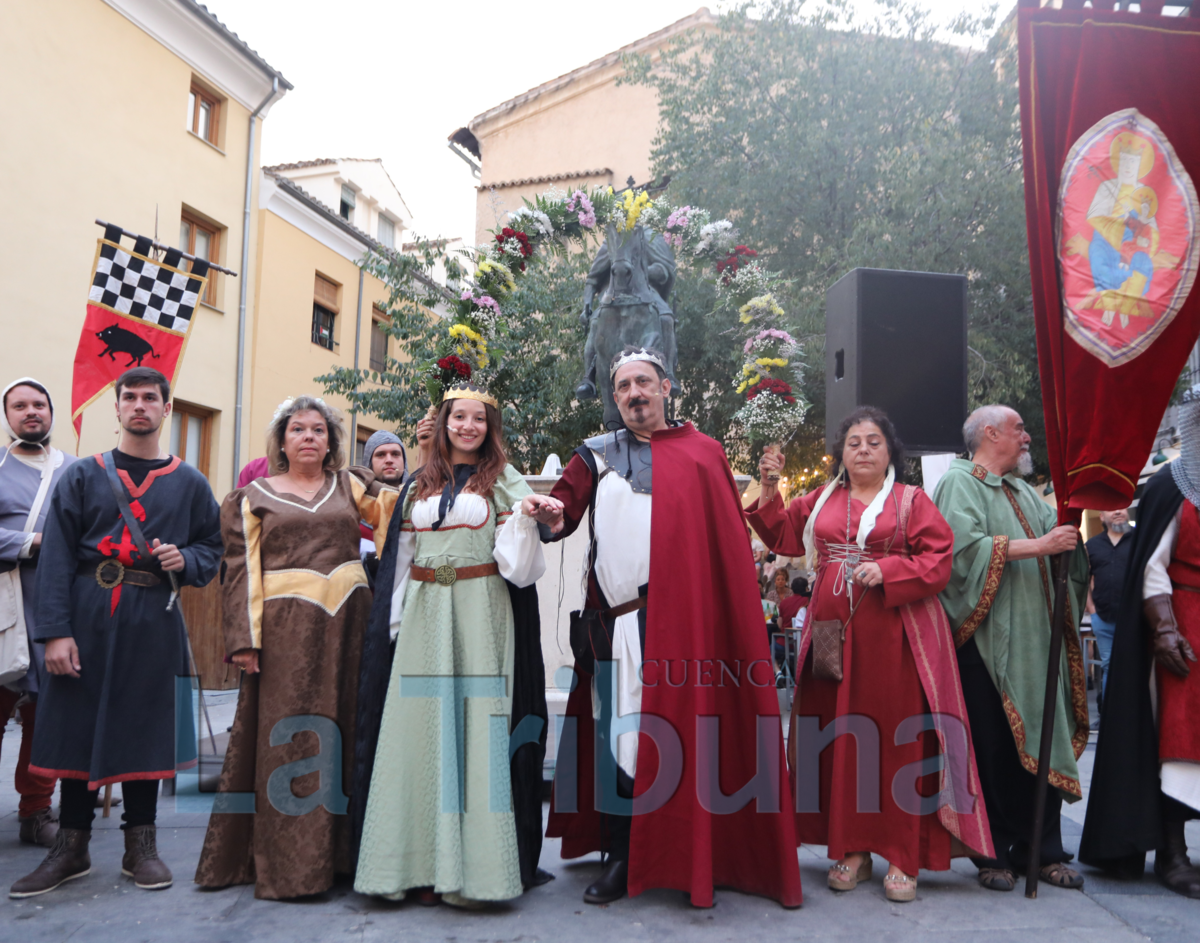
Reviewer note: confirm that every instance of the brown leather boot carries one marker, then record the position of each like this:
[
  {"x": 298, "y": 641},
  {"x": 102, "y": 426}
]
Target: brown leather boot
[
  {"x": 39, "y": 828},
  {"x": 68, "y": 859},
  {"x": 1171, "y": 863},
  {"x": 141, "y": 861}
]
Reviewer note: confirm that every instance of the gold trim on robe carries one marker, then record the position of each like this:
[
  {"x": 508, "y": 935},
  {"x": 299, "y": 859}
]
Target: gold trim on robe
[
  {"x": 991, "y": 585},
  {"x": 329, "y": 591},
  {"x": 252, "y": 533}
]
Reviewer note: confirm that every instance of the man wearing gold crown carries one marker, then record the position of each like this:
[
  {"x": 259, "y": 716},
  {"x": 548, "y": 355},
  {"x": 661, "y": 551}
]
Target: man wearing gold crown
[{"x": 675, "y": 701}]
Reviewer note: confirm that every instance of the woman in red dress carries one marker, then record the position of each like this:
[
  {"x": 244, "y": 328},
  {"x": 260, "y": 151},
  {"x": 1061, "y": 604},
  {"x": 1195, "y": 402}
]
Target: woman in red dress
[{"x": 883, "y": 548}]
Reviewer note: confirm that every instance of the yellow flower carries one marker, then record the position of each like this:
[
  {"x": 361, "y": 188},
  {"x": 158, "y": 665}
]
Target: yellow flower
[
  {"x": 746, "y": 318},
  {"x": 755, "y": 380},
  {"x": 771, "y": 362},
  {"x": 742, "y": 386},
  {"x": 485, "y": 267},
  {"x": 633, "y": 207}
]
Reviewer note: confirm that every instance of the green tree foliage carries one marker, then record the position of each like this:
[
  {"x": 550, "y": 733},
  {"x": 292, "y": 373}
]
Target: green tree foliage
[
  {"x": 832, "y": 142},
  {"x": 535, "y": 382},
  {"x": 835, "y": 142}
]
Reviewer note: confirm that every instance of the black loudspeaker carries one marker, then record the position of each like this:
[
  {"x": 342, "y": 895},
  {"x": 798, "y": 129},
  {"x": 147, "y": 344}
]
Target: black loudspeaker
[{"x": 898, "y": 340}]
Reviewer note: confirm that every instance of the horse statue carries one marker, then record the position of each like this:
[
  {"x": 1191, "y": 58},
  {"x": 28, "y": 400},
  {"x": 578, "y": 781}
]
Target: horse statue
[{"x": 632, "y": 277}]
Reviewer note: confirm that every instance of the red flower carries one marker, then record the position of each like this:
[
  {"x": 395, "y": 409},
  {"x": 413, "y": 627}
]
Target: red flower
[
  {"x": 453, "y": 364},
  {"x": 772, "y": 385},
  {"x": 734, "y": 261},
  {"x": 523, "y": 240}
]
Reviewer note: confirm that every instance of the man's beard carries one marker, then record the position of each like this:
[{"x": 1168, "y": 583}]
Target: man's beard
[
  {"x": 392, "y": 479},
  {"x": 1123, "y": 528},
  {"x": 146, "y": 431},
  {"x": 1025, "y": 465},
  {"x": 34, "y": 438}
]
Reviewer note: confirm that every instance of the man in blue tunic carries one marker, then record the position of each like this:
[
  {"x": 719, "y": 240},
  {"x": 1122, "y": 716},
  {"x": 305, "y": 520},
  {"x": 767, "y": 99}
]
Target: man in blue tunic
[
  {"x": 125, "y": 529},
  {"x": 29, "y": 470}
]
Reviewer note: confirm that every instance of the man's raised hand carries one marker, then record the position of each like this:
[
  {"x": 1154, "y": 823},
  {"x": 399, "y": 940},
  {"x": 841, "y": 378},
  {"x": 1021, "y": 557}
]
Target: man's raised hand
[
  {"x": 544, "y": 509},
  {"x": 169, "y": 557},
  {"x": 1061, "y": 538}
]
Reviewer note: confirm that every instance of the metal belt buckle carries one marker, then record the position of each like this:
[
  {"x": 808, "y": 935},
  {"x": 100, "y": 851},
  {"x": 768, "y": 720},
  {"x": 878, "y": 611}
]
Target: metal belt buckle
[
  {"x": 110, "y": 583},
  {"x": 445, "y": 574}
]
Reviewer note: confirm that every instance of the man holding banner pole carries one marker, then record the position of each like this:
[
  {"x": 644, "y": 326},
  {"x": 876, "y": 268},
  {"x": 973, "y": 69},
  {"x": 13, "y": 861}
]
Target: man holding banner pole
[
  {"x": 124, "y": 528},
  {"x": 999, "y": 600}
]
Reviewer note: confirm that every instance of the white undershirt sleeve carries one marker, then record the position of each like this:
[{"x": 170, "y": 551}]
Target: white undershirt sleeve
[
  {"x": 1157, "y": 582},
  {"x": 519, "y": 549}
]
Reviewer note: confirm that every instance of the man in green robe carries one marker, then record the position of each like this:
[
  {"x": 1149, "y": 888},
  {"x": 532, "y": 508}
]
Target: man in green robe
[{"x": 999, "y": 600}]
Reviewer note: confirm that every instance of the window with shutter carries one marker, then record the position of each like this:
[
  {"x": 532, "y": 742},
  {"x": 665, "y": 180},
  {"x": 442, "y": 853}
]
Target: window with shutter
[
  {"x": 379, "y": 345},
  {"x": 203, "y": 240},
  {"x": 387, "y": 232},
  {"x": 325, "y": 310},
  {"x": 346, "y": 210}
]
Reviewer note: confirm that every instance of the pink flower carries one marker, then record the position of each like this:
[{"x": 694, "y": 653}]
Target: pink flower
[{"x": 679, "y": 218}]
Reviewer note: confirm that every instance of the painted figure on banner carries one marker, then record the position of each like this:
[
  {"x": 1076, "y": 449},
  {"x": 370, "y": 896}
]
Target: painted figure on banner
[{"x": 1127, "y": 235}]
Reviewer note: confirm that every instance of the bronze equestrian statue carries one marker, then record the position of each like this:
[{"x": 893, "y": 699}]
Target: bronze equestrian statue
[{"x": 632, "y": 276}]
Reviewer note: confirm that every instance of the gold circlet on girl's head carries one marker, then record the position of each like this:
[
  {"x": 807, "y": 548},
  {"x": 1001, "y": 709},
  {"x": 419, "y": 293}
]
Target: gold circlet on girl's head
[{"x": 470, "y": 391}]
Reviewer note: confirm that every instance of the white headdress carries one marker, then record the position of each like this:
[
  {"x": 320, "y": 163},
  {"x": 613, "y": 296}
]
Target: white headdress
[
  {"x": 24, "y": 381},
  {"x": 640, "y": 354}
]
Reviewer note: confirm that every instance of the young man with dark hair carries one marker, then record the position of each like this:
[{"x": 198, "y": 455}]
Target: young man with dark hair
[
  {"x": 29, "y": 470},
  {"x": 125, "y": 529}
]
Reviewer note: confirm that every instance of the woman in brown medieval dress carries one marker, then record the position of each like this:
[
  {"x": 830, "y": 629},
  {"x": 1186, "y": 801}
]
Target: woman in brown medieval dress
[
  {"x": 881, "y": 552},
  {"x": 296, "y": 602}
]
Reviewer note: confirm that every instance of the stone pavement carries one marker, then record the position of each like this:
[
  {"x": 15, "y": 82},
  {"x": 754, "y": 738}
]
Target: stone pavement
[{"x": 949, "y": 906}]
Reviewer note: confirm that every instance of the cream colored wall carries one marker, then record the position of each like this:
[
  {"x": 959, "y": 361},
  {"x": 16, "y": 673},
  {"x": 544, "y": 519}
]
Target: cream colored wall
[
  {"x": 282, "y": 358},
  {"x": 590, "y": 124},
  {"x": 93, "y": 116}
]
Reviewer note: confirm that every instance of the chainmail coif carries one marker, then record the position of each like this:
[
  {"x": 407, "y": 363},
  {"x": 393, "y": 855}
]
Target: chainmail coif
[{"x": 1186, "y": 470}]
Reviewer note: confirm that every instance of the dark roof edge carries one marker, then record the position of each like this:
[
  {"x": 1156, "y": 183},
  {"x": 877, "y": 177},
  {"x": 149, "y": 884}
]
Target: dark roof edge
[
  {"x": 210, "y": 18},
  {"x": 347, "y": 227}
]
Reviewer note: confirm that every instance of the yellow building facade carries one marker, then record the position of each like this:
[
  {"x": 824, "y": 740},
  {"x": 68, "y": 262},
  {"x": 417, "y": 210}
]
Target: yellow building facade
[
  {"x": 136, "y": 112},
  {"x": 315, "y": 309},
  {"x": 581, "y": 129}
]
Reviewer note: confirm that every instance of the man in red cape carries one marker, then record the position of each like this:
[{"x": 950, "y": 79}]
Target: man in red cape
[{"x": 682, "y": 716}]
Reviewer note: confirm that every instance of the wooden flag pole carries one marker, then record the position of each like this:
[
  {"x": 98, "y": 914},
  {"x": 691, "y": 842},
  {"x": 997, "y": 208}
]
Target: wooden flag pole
[
  {"x": 158, "y": 245},
  {"x": 1049, "y": 708}
]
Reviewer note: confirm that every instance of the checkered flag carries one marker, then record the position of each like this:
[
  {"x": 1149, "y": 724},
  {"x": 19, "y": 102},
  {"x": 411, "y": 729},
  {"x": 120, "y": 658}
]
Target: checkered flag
[
  {"x": 134, "y": 284},
  {"x": 139, "y": 314}
]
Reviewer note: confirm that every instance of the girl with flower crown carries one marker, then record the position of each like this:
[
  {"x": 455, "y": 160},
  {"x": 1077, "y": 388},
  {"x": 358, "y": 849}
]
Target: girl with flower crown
[
  {"x": 296, "y": 601},
  {"x": 444, "y": 816}
]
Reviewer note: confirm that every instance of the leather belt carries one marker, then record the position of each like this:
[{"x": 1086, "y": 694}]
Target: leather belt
[
  {"x": 1190, "y": 589},
  {"x": 447, "y": 575},
  {"x": 112, "y": 573},
  {"x": 632, "y": 606}
]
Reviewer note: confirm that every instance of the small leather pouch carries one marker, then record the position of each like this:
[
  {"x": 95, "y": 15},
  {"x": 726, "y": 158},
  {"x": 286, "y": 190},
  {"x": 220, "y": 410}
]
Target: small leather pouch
[
  {"x": 828, "y": 637},
  {"x": 590, "y": 639}
]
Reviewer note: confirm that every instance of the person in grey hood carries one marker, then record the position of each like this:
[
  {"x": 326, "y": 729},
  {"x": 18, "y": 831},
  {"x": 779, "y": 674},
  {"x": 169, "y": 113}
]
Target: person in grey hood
[
  {"x": 384, "y": 454},
  {"x": 29, "y": 470}
]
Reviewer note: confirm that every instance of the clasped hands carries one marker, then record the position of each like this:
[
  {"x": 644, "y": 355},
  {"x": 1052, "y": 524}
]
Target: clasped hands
[{"x": 544, "y": 509}]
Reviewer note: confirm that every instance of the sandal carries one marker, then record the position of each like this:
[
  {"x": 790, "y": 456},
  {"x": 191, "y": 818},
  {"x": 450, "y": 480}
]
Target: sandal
[
  {"x": 899, "y": 887},
  {"x": 1060, "y": 875},
  {"x": 997, "y": 879},
  {"x": 841, "y": 878}
]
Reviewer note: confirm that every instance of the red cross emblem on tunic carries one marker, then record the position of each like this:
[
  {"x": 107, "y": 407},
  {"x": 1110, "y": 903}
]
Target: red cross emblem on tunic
[{"x": 123, "y": 550}]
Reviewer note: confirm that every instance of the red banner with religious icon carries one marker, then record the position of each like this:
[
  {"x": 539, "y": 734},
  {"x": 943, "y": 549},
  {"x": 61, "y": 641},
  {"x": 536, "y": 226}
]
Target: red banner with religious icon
[{"x": 1109, "y": 105}]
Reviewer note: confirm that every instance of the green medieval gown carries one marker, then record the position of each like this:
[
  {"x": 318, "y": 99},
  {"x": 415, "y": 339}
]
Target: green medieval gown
[{"x": 439, "y": 810}]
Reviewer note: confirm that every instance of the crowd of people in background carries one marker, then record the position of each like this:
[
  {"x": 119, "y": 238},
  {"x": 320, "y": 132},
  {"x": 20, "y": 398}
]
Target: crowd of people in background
[{"x": 385, "y": 624}]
